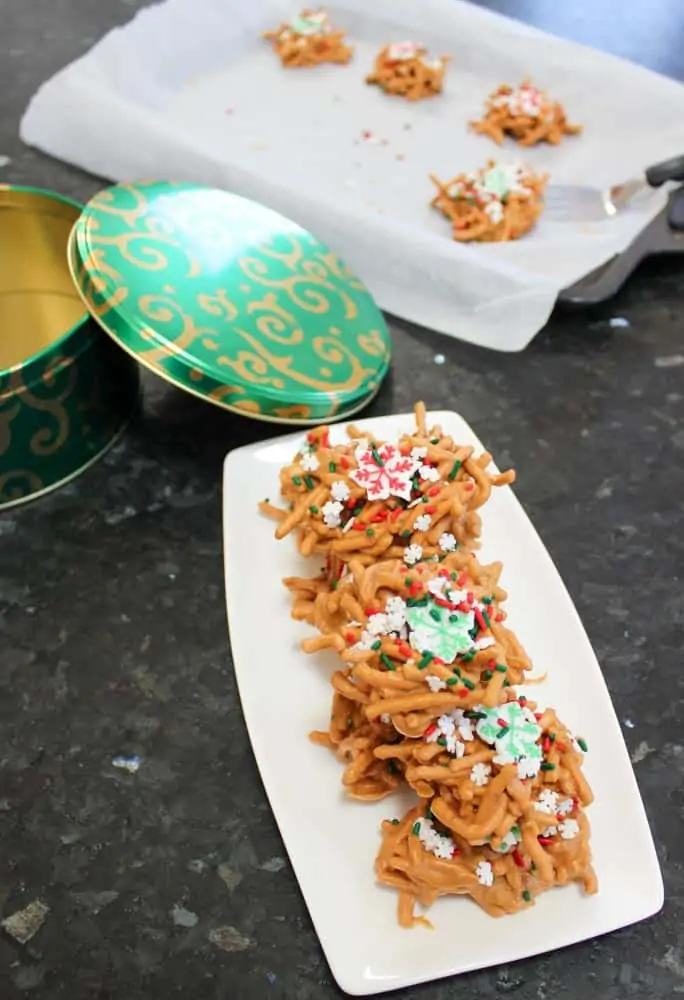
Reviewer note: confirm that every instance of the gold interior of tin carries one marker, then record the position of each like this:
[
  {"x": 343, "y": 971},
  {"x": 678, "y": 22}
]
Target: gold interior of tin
[{"x": 38, "y": 301}]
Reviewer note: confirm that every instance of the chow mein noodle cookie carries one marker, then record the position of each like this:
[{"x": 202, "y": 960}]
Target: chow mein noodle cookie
[
  {"x": 309, "y": 40},
  {"x": 414, "y": 498},
  {"x": 525, "y": 113},
  {"x": 494, "y": 204},
  {"x": 407, "y": 70}
]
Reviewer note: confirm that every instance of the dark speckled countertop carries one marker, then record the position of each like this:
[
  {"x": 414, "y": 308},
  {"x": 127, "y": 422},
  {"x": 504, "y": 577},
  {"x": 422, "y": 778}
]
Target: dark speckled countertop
[{"x": 172, "y": 881}]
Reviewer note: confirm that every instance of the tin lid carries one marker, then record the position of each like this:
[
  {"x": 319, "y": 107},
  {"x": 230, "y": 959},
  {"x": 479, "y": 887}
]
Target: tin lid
[{"x": 230, "y": 301}]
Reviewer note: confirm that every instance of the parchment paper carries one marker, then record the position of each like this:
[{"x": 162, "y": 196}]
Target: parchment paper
[{"x": 188, "y": 90}]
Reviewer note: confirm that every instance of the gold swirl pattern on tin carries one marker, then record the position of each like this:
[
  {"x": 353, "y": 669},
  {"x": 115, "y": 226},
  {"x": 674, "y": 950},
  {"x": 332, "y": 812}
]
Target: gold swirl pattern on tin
[{"x": 19, "y": 483}]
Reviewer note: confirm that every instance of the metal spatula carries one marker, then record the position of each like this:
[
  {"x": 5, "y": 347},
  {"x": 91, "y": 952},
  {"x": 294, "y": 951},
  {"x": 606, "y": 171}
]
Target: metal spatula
[{"x": 571, "y": 203}]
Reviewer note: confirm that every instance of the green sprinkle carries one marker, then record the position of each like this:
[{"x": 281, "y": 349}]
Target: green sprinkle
[
  {"x": 582, "y": 744},
  {"x": 453, "y": 619},
  {"x": 516, "y": 831},
  {"x": 394, "y": 822},
  {"x": 416, "y": 828},
  {"x": 313, "y": 508},
  {"x": 384, "y": 658},
  {"x": 376, "y": 645},
  {"x": 376, "y": 456},
  {"x": 434, "y": 614},
  {"x": 501, "y": 667},
  {"x": 370, "y": 532},
  {"x": 548, "y": 766},
  {"x": 457, "y": 671},
  {"x": 487, "y": 600},
  {"x": 452, "y": 680},
  {"x": 331, "y": 466},
  {"x": 441, "y": 741},
  {"x": 267, "y": 499},
  {"x": 333, "y": 585},
  {"x": 454, "y": 470},
  {"x": 506, "y": 683},
  {"x": 468, "y": 656},
  {"x": 297, "y": 480},
  {"x": 426, "y": 499},
  {"x": 308, "y": 482},
  {"x": 527, "y": 897},
  {"x": 391, "y": 767},
  {"x": 533, "y": 867},
  {"x": 454, "y": 576},
  {"x": 501, "y": 733},
  {"x": 487, "y": 675},
  {"x": 428, "y": 813},
  {"x": 406, "y": 534},
  {"x": 417, "y": 602},
  {"x": 426, "y": 658},
  {"x": 357, "y": 509},
  {"x": 468, "y": 684},
  {"x": 408, "y": 581},
  {"x": 552, "y": 737},
  {"x": 434, "y": 440},
  {"x": 487, "y": 619}
]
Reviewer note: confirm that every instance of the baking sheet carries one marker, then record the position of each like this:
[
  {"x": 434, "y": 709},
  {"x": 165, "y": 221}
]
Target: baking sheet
[{"x": 187, "y": 90}]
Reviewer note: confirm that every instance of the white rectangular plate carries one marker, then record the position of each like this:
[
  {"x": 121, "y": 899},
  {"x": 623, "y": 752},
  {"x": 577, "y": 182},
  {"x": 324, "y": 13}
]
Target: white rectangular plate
[{"x": 331, "y": 841}]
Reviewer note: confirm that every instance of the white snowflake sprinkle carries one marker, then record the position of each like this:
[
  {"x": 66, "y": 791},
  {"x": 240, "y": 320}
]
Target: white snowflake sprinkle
[
  {"x": 428, "y": 473},
  {"x": 436, "y": 586},
  {"x": 458, "y": 596},
  {"x": 565, "y": 807},
  {"x": 395, "y": 612},
  {"x": 340, "y": 491},
  {"x": 386, "y": 718},
  {"x": 413, "y": 554},
  {"x": 549, "y": 831},
  {"x": 547, "y": 802},
  {"x": 435, "y": 683},
  {"x": 309, "y": 462},
  {"x": 445, "y": 729},
  {"x": 378, "y": 624},
  {"x": 447, "y": 542},
  {"x": 365, "y": 642},
  {"x": 423, "y": 522},
  {"x": 494, "y": 209},
  {"x": 418, "y": 454},
  {"x": 528, "y": 767},
  {"x": 332, "y": 513},
  {"x": 438, "y": 844},
  {"x": 485, "y": 873},
  {"x": 569, "y": 829},
  {"x": 480, "y": 774},
  {"x": 509, "y": 841}
]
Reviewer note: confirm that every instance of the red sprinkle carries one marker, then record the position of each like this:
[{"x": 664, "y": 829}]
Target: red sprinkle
[
  {"x": 537, "y": 716},
  {"x": 491, "y": 664},
  {"x": 344, "y": 462},
  {"x": 545, "y": 840},
  {"x": 470, "y": 486},
  {"x": 500, "y": 617},
  {"x": 455, "y": 853},
  {"x": 350, "y": 637},
  {"x": 463, "y": 693},
  {"x": 430, "y": 509},
  {"x": 470, "y": 597},
  {"x": 433, "y": 492},
  {"x": 359, "y": 525},
  {"x": 373, "y": 611},
  {"x": 502, "y": 723},
  {"x": 462, "y": 580},
  {"x": 562, "y": 747},
  {"x": 325, "y": 439},
  {"x": 432, "y": 728},
  {"x": 479, "y": 619},
  {"x": 311, "y": 438},
  {"x": 415, "y": 588},
  {"x": 405, "y": 450},
  {"x": 546, "y": 744},
  {"x": 518, "y": 858},
  {"x": 395, "y": 513}
]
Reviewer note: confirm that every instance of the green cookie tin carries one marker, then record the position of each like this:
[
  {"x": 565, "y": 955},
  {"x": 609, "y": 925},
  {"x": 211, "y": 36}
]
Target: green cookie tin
[
  {"x": 230, "y": 301},
  {"x": 66, "y": 390}
]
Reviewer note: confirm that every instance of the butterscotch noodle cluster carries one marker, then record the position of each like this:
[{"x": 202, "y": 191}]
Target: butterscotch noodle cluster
[
  {"x": 491, "y": 205},
  {"x": 408, "y": 70},
  {"x": 427, "y": 694},
  {"x": 526, "y": 114},
  {"x": 309, "y": 40}
]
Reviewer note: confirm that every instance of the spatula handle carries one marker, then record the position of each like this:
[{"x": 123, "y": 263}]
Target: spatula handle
[{"x": 668, "y": 170}]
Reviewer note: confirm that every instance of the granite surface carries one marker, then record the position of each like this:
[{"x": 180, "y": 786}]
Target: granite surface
[{"x": 172, "y": 880}]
